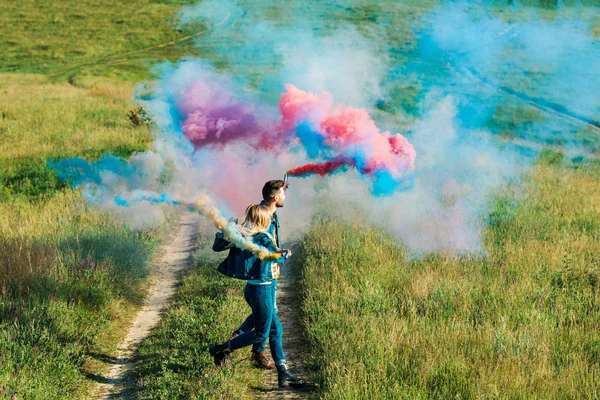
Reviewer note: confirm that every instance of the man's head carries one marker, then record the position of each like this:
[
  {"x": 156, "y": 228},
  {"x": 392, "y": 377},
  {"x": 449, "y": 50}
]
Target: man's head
[{"x": 274, "y": 192}]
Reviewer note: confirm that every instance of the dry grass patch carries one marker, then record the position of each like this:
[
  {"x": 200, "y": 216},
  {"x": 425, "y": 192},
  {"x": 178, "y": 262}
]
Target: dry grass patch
[{"x": 40, "y": 119}]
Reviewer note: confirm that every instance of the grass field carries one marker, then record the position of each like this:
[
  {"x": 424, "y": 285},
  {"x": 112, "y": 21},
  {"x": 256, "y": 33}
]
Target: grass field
[
  {"x": 77, "y": 38},
  {"x": 71, "y": 277},
  {"x": 520, "y": 321},
  {"x": 174, "y": 361}
]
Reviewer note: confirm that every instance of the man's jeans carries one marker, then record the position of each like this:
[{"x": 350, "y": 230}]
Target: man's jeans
[
  {"x": 248, "y": 324},
  {"x": 265, "y": 320}
]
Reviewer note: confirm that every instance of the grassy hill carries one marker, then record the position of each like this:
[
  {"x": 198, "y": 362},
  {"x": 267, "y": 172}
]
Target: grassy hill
[
  {"x": 64, "y": 38},
  {"x": 71, "y": 276},
  {"x": 520, "y": 321}
]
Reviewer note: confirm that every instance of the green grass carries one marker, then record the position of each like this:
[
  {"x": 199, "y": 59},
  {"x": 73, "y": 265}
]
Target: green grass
[
  {"x": 71, "y": 277},
  {"x": 39, "y": 119},
  {"x": 71, "y": 38},
  {"x": 70, "y": 274},
  {"x": 173, "y": 363},
  {"x": 519, "y": 322}
]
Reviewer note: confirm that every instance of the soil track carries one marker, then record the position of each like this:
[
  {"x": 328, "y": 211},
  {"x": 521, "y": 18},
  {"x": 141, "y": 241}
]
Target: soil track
[
  {"x": 174, "y": 255},
  {"x": 127, "y": 56},
  {"x": 540, "y": 103},
  {"x": 288, "y": 304}
]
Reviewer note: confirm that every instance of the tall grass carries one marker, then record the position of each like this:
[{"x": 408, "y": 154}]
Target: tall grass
[
  {"x": 518, "y": 322},
  {"x": 70, "y": 275},
  {"x": 66, "y": 272}
]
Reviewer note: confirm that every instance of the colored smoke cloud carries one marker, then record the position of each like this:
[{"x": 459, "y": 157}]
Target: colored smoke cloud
[
  {"x": 222, "y": 134},
  {"x": 520, "y": 60},
  {"x": 346, "y": 136},
  {"x": 213, "y": 116}
]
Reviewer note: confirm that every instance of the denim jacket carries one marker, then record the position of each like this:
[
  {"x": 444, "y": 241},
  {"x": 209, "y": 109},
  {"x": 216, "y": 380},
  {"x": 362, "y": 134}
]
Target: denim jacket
[{"x": 243, "y": 264}]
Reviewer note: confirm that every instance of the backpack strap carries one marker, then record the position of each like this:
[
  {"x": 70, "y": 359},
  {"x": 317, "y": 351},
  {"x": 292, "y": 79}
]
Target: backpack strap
[{"x": 276, "y": 217}]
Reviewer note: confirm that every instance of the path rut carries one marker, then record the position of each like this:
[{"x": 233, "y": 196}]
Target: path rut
[
  {"x": 174, "y": 255},
  {"x": 288, "y": 304}
]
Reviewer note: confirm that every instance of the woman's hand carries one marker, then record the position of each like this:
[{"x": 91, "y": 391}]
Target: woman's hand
[{"x": 285, "y": 252}]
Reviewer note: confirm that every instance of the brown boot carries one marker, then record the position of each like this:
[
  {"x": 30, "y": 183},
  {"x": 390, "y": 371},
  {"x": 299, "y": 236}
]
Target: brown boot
[{"x": 261, "y": 360}]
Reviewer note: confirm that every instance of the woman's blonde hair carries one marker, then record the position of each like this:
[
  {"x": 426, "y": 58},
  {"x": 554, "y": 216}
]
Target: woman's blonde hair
[{"x": 257, "y": 219}]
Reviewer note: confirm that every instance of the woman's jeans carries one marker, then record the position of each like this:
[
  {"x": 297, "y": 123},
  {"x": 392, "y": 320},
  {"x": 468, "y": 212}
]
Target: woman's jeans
[
  {"x": 265, "y": 320},
  {"x": 248, "y": 324}
]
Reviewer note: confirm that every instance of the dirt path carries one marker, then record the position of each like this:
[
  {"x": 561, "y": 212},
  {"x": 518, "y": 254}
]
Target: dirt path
[
  {"x": 173, "y": 256},
  {"x": 288, "y": 310},
  {"x": 126, "y": 56}
]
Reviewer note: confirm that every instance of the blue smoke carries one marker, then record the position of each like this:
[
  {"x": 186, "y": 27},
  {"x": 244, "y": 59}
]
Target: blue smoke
[
  {"x": 100, "y": 180},
  {"x": 513, "y": 72},
  {"x": 482, "y": 89},
  {"x": 139, "y": 196},
  {"x": 313, "y": 143},
  {"x": 79, "y": 171},
  {"x": 384, "y": 184}
]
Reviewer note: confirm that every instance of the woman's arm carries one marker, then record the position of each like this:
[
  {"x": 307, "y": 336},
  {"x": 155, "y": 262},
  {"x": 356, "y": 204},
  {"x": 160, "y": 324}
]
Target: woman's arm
[
  {"x": 220, "y": 243},
  {"x": 266, "y": 242}
]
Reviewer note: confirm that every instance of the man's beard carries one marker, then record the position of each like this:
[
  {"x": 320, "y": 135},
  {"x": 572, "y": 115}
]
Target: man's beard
[{"x": 278, "y": 205}]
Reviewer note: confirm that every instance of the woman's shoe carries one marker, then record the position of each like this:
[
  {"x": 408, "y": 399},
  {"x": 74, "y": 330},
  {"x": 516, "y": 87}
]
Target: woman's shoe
[
  {"x": 286, "y": 378},
  {"x": 219, "y": 352}
]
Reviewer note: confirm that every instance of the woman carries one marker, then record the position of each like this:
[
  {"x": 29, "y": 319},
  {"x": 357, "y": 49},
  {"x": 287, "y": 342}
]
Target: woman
[{"x": 258, "y": 293}]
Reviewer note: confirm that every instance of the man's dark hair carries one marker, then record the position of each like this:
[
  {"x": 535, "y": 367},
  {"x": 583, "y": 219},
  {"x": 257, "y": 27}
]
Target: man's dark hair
[{"x": 271, "y": 188}]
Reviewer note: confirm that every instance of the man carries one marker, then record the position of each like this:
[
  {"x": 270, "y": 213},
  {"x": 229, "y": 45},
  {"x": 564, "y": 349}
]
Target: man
[
  {"x": 273, "y": 193},
  {"x": 259, "y": 274}
]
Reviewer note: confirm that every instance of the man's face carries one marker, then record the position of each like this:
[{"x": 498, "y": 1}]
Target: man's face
[{"x": 280, "y": 198}]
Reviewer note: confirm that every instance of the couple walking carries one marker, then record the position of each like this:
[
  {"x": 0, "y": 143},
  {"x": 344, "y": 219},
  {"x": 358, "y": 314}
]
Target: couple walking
[{"x": 261, "y": 225}]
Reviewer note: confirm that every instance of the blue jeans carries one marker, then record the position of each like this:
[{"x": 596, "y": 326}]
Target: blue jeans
[
  {"x": 248, "y": 324},
  {"x": 265, "y": 320}
]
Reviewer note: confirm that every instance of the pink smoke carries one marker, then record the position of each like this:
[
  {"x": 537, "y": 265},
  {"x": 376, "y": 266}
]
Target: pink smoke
[{"x": 347, "y": 131}]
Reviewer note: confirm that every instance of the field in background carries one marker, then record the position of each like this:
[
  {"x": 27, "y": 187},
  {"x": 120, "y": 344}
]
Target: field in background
[
  {"x": 41, "y": 120},
  {"x": 521, "y": 321},
  {"x": 70, "y": 39},
  {"x": 71, "y": 277},
  {"x": 518, "y": 322}
]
